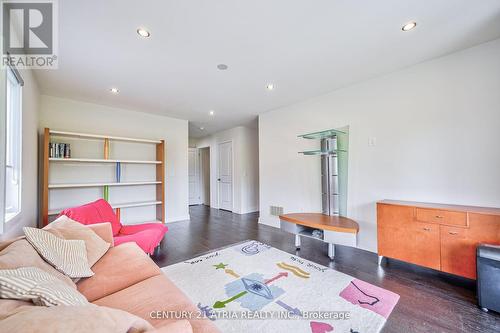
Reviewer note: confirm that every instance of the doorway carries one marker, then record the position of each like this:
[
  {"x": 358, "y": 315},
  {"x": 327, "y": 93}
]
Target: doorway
[
  {"x": 225, "y": 175},
  {"x": 194, "y": 176},
  {"x": 205, "y": 175}
]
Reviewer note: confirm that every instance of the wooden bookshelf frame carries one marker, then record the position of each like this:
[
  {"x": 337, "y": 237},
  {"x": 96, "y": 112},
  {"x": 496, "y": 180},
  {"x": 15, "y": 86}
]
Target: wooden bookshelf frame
[{"x": 159, "y": 183}]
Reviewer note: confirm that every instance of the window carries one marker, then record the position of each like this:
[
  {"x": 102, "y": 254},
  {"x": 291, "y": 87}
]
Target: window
[{"x": 13, "y": 145}]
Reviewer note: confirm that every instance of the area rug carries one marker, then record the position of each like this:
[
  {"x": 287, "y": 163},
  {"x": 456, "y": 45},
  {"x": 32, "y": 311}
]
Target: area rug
[{"x": 253, "y": 287}]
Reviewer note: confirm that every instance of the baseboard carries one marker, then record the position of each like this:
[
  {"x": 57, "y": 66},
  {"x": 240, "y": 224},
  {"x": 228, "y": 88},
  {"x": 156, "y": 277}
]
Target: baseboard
[
  {"x": 251, "y": 210},
  {"x": 272, "y": 222},
  {"x": 178, "y": 219}
]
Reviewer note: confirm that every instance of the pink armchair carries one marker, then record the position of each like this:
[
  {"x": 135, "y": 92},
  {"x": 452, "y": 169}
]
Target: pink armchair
[{"x": 147, "y": 235}]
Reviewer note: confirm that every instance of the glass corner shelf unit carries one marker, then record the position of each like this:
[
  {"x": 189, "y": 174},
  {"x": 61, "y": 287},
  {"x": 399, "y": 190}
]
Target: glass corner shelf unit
[
  {"x": 322, "y": 134},
  {"x": 322, "y": 152},
  {"x": 333, "y": 147}
]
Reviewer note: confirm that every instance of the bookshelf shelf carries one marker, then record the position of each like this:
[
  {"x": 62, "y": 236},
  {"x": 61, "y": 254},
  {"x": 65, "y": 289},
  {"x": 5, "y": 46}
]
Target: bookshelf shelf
[
  {"x": 136, "y": 204},
  {"x": 76, "y": 185},
  {"x": 67, "y": 163},
  {"x": 117, "y": 205},
  {"x": 99, "y": 136},
  {"x": 97, "y": 160}
]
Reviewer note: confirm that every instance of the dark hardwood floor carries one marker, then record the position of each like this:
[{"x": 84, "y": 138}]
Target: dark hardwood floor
[{"x": 430, "y": 301}]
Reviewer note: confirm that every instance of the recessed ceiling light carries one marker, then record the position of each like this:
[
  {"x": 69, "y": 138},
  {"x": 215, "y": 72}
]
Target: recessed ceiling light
[
  {"x": 408, "y": 26},
  {"x": 143, "y": 32},
  {"x": 270, "y": 86},
  {"x": 114, "y": 90},
  {"x": 212, "y": 112},
  {"x": 222, "y": 67},
  {"x": 202, "y": 128}
]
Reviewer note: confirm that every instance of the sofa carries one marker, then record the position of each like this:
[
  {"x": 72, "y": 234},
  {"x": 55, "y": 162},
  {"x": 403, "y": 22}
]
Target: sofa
[{"x": 125, "y": 279}]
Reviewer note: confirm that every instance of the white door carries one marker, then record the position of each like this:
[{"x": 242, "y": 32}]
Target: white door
[
  {"x": 225, "y": 177},
  {"x": 194, "y": 176}
]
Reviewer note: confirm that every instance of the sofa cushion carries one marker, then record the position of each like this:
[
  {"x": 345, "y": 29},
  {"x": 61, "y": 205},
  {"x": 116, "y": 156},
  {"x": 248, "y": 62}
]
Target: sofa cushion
[
  {"x": 21, "y": 254},
  {"x": 121, "y": 267},
  {"x": 5, "y": 243},
  {"x": 67, "y": 256},
  {"x": 153, "y": 295},
  {"x": 179, "y": 326},
  {"x": 38, "y": 286},
  {"x": 7, "y": 306},
  {"x": 63, "y": 319},
  {"x": 98, "y": 211},
  {"x": 66, "y": 228}
]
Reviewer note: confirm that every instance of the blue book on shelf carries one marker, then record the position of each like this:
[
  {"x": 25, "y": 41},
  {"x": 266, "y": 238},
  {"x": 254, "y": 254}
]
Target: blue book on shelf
[{"x": 118, "y": 171}]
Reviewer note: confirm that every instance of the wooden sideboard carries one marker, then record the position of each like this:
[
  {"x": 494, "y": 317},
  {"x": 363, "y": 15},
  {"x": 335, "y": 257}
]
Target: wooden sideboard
[{"x": 442, "y": 237}]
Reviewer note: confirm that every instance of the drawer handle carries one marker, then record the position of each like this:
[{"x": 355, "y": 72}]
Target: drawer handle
[
  {"x": 453, "y": 232},
  {"x": 427, "y": 229},
  {"x": 439, "y": 216}
]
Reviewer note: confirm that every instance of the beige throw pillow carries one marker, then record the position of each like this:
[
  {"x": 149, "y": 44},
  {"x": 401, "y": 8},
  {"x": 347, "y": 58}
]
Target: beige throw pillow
[
  {"x": 22, "y": 254},
  {"x": 66, "y": 228},
  {"x": 38, "y": 286},
  {"x": 67, "y": 256}
]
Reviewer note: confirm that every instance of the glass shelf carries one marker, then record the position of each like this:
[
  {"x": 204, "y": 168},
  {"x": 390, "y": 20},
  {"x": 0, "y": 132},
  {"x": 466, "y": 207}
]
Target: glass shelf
[
  {"x": 322, "y": 152},
  {"x": 322, "y": 135}
]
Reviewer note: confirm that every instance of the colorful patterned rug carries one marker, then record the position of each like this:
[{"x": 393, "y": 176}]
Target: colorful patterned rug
[{"x": 253, "y": 287}]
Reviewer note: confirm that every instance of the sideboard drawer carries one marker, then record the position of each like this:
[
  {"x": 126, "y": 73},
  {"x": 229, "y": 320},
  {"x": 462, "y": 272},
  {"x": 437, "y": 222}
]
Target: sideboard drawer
[{"x": 441, "y": 216}]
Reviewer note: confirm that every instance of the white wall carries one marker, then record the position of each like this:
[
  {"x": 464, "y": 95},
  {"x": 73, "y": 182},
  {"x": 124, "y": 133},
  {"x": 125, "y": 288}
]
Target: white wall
[
  {"x": 29, "y": 182},
  {"x": 250, "y": 170},
  {"x": 245, "y": 167},
  {"x": 192, "y": 142},
  {"x": 70, "y": 115},
  {"x": 437, "y": 140},
  {"x": 3, "y": 125}
]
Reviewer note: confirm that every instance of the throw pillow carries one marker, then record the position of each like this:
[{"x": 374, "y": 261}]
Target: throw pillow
[
  {"x": 38, "y": 286},
  {"x": 22, "y": 254},
  {"x": 66, "y": 228},
  {"x": 67, "y": 256}
]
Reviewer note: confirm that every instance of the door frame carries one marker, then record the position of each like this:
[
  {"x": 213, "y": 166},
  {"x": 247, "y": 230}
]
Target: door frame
[
  {"x": 232, "y": 174},
  {"x": 198, "y": 181}
]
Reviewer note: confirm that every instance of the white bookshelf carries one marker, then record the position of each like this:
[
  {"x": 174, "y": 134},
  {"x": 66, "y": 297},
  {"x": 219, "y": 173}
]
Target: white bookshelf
[{"x": 87, "y": 177}]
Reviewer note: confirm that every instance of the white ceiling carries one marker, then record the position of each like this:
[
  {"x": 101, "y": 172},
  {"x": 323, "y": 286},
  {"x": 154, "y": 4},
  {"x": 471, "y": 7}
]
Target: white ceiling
[{"x": 305, "y": 48}]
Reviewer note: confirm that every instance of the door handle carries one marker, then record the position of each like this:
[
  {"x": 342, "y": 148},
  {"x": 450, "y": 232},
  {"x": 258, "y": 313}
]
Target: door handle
[
  {"x": 218, "y": 179},
  {"x": 427, "y": 229},
  {"x": 439, "y": 216},
  {"x": 453, "y": 232}
]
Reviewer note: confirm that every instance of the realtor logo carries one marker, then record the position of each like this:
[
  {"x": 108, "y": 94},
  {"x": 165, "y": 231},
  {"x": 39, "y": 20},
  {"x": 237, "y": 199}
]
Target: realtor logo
[{"x": 29, "y": 34}]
